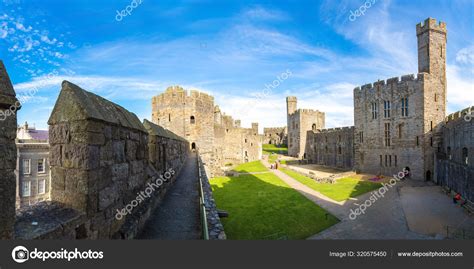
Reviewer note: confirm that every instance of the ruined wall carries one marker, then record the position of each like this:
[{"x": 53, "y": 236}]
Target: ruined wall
[
  {"x": 275, "y": 136},
  {"x": 454, "y": 165},
  {"x": 8, "y": 125},
  {"x": 234, "y": 144},
  {"x": 331, "y": 147}
]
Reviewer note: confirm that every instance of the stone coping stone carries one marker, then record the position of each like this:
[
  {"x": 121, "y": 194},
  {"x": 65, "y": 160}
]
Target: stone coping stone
[
  {"x": 76, "y": 104},
  {"x": 7, "y": 93},
  {"x": 157, "y": 130},
  {"x": 43, "y": 218}
]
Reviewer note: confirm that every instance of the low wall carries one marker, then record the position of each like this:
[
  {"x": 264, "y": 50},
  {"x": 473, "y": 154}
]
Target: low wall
[{"x": 214, "y": 225}]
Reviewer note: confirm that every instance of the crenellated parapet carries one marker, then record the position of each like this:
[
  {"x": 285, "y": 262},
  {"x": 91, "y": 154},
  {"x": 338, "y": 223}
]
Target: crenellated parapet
[
  {"x": 431, "y": 24},
  {"x": 395, "y": 82}
]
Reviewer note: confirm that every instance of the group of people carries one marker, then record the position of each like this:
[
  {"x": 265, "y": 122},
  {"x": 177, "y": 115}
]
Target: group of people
[{"x": 274, "y": 165}]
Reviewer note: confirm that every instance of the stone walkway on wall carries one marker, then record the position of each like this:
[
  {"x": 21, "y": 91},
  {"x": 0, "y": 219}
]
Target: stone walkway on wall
[{"x": 178, "y": 216}]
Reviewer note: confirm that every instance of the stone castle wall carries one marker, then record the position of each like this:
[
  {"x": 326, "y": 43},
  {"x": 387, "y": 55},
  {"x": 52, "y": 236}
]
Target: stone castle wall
[
  {"x": 300, "y": 121},
  {"x": 454, "y": 165},
  {"x": 385, "y": 144},
  {"x": 8, "y": 125},
  {"x": 101, "y": 158},
  {"x": 406, "y": 134},
  {"x": 275, "y": 135},
  {"x": 219, "y": 138},
  {"x": 331, "y": 147}
]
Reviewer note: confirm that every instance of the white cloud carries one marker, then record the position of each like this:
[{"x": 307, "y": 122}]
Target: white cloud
[
  {"x": 460, "y": 88},
  {"x": 466, "y": 55}
]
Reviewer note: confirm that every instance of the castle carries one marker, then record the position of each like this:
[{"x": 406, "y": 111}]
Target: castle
[
  {"x": 399, "y": 123},
  {"x": 299, "y": 121},
  {"x": 275, "y": 135},
  {"x": 220, "y": 139}
]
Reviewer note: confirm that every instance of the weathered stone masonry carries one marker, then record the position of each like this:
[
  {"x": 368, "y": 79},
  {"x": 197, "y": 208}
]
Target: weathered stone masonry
[
  {"x": 454, "y": 167},
  {"x": 102, "y": 157},
  {"x": 8, "y": 125}
]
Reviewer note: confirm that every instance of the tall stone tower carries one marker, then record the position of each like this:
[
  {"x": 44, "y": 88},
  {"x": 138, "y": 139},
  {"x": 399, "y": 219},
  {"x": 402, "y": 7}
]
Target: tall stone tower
[
  {"x": 432, "y": 39},
  {"x": 255, "y": 128}
]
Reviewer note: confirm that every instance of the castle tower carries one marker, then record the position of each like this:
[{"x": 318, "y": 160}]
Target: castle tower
[
  {"x": 255, "y": 127},
  {"x": 432, "y": 39},
  {"x": 291, "y": 103}
]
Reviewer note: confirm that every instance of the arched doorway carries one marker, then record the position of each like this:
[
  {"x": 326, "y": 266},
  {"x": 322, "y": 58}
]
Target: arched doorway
[
  {"x": 193, "y": 146},
  {"x": 428, "y": 175}
]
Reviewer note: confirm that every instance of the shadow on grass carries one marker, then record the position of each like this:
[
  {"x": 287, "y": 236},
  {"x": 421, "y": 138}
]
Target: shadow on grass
[{"x": 263, "y": 207}]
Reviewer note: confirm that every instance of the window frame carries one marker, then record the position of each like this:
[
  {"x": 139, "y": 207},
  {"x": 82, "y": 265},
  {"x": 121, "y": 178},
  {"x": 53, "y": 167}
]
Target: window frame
[
  {"x": 23, "y": 184},
  {"x": 44, "y": 186},
  {"x": 24, "y": 166},
  {"x": 44, "y": 166}
]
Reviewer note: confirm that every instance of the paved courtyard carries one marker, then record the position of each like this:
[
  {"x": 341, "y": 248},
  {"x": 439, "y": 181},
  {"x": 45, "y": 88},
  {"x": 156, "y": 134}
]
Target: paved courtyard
[{"x": 429, "y": 211}]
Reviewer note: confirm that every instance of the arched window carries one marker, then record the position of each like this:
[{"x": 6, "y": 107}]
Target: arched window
[
  {"x": 465, "y": 159},
  {"x": 339, "y": 150},
  {"x": 314, "y": 127},
  {"x": 449, "y": 153},
  {"x": 192, "y": 120}
]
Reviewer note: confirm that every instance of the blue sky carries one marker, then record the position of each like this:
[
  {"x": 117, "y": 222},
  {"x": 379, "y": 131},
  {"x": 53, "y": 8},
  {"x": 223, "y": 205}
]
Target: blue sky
[{"x": 230, "y": 49}]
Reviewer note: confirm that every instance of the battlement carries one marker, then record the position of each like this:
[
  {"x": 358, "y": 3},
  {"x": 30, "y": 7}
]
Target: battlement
[
  {"x": 307, "y": 110},
  {"x": 337, "y": 129},
  {"x": 181, "y": 92},
  {"x": 430, "y": 24},
  {"x": 460, "y": 114},
  {"x": 291, "y": 98},
  {"x": 390, "y": 81},
  {"x": 273, "y": 129}
]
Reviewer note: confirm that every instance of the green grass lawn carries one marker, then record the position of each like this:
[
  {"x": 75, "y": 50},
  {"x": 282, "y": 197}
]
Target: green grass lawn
[
  {"x": 270, "y": 148},
  {"x": 262, "y": 206},
  {"x": 272, "y": 158},
  {"x": 250, "y": 167},
  {"x": 339, "y": 191}
]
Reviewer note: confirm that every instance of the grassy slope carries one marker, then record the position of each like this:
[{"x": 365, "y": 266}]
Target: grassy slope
[
  {"x": 340, "y": 191},
  {"x": 263, "y": 207},
  {"x": 270, "y": 148},
  {"x": 250, "y": 167}
]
